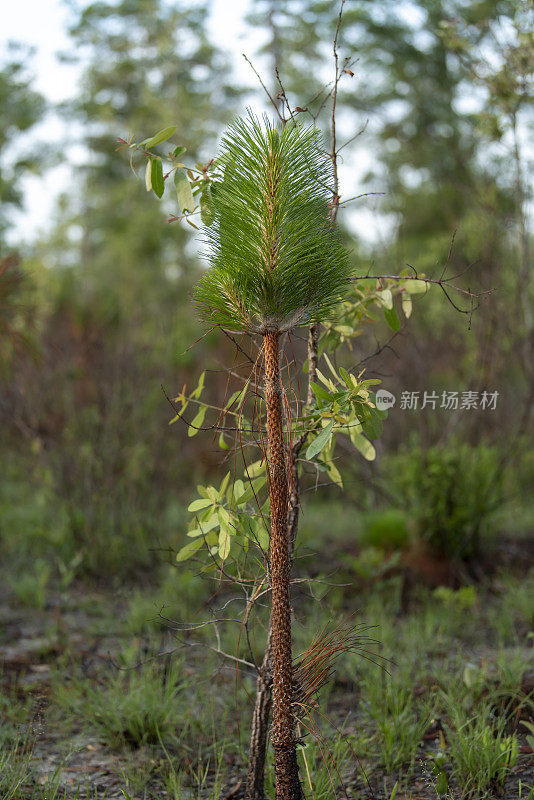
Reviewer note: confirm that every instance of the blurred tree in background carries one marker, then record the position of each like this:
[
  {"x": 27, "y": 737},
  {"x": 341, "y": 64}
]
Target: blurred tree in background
[
  {"x": 117, "y": 312},
  {"x": 446, "y": 88},
  {"x": 146, "y": 65},
  {"x": 21, "y": 107}
]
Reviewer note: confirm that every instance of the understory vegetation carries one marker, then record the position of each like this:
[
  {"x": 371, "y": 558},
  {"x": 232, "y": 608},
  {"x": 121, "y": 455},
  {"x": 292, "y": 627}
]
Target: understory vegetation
[{"x": 118, "y": 692}]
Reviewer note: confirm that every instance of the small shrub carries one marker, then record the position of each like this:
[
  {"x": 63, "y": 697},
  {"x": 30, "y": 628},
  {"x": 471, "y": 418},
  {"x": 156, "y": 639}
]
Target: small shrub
[
  {"x": 452, "y": 493},
  {"x": 459, "y": 600},
  {"x": 30, "y": 587},
  {"x": 371, "y": 564},
  {"x": 386, "y": 529}
]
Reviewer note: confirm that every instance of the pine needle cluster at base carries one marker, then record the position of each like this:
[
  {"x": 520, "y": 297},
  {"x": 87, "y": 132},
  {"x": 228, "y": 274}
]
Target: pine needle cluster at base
[{"x": 276, "y": 255}]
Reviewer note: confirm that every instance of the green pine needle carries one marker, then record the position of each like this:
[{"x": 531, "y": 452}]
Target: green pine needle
[{"x": 276, "y": 256}]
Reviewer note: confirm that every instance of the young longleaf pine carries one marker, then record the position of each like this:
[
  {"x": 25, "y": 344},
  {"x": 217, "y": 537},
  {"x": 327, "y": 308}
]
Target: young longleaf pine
[
  {"x": 276, "y": 257},
  {"x": 277, "y": 261}
]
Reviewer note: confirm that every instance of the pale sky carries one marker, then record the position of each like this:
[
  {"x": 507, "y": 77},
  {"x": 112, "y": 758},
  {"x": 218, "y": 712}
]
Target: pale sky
[{"x": 43, "y": 24}]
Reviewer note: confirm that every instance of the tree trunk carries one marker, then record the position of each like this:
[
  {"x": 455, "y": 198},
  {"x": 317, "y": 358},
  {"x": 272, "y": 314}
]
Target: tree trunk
[
  {"x": 283, "y": 726},
  {"x": 262, "y": 705},
  {"x": 260, "y": 725}
]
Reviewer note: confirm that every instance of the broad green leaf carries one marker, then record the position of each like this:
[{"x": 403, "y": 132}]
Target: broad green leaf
[
  {"x": 222, "y": 443},
  {"x": 196, "y": 423},
  {"x": 386, "y": 297},
  {"x": 327, "y": 382},
  {"x": 406, "y": 305},
  {"x": 371, "y": 423},
  {"x": 254, "y": 530},
  {"x": 417, "y": 286},
  {"x": 320, "y": 393},
  {"x": 331, "y": 366},
  {"x": 156, "y": 176},
  {"x": 362, "y": 444},
  {"x": 183, "y": 191},
  {"x": 189, "y": 549},
  {"x": 223, "y": 485},
  {"x": 255, "y": 469},
  {"x": 372, "y": 382},
  {"x": 224, "y": 542},
  {"x": 236, "y": 398},
  {"x": 160, "y": 137},
  {"x": 344, "y": 330},
  {"x": 235, "y": 491},
  {"x": 224, "y": 516},
  {"x": 333, "y": 473},
  {"x": 207, "y": 568},
  {"x": 252, "y": 490},
  {"x": 205, "y": 529},
  {"x": 346, "y": 377},
  {"x": 196, "y": 505},
  {"x": 263, "y": 538},
  {"x": 207, "y": 212},
  {"x": 392, "y": 319},
  {"x": 148, "y": 175},
  {"x": 213, "y": 494},
  {"x": 320, "y": 441}
]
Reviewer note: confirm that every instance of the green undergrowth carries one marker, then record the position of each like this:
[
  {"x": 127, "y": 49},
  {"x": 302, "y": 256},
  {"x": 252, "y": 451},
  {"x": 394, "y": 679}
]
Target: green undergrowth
[
  {"x": 437, "y": 694},
  {"x": 132, "y": 706}
]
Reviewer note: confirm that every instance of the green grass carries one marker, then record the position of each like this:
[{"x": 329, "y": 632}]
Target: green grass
[
  {"x": 15, "y": 770},
  {"x": 133, "y": 706},
  {"x": 179, "y": 593},
  {"x": 169, "y": 727},
  {"x": 481, "y": 753},
  {"x": 20, "y": 779},
  {"x": 325, "y": 764},
  {"x": 399, "y": 723}
]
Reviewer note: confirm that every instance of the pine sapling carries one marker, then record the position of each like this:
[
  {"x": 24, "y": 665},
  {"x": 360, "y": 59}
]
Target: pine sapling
[{"x": 277, "y": 262}]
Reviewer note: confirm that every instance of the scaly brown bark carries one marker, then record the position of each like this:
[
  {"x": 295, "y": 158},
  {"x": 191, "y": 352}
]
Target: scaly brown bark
[
  {"x": 262, "y": 705},
  {"x": 283, "y": 725}
]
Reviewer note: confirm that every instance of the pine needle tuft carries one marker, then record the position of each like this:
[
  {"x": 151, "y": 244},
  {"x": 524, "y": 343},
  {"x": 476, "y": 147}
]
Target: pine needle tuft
[{"x": 276, "y": 255}]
